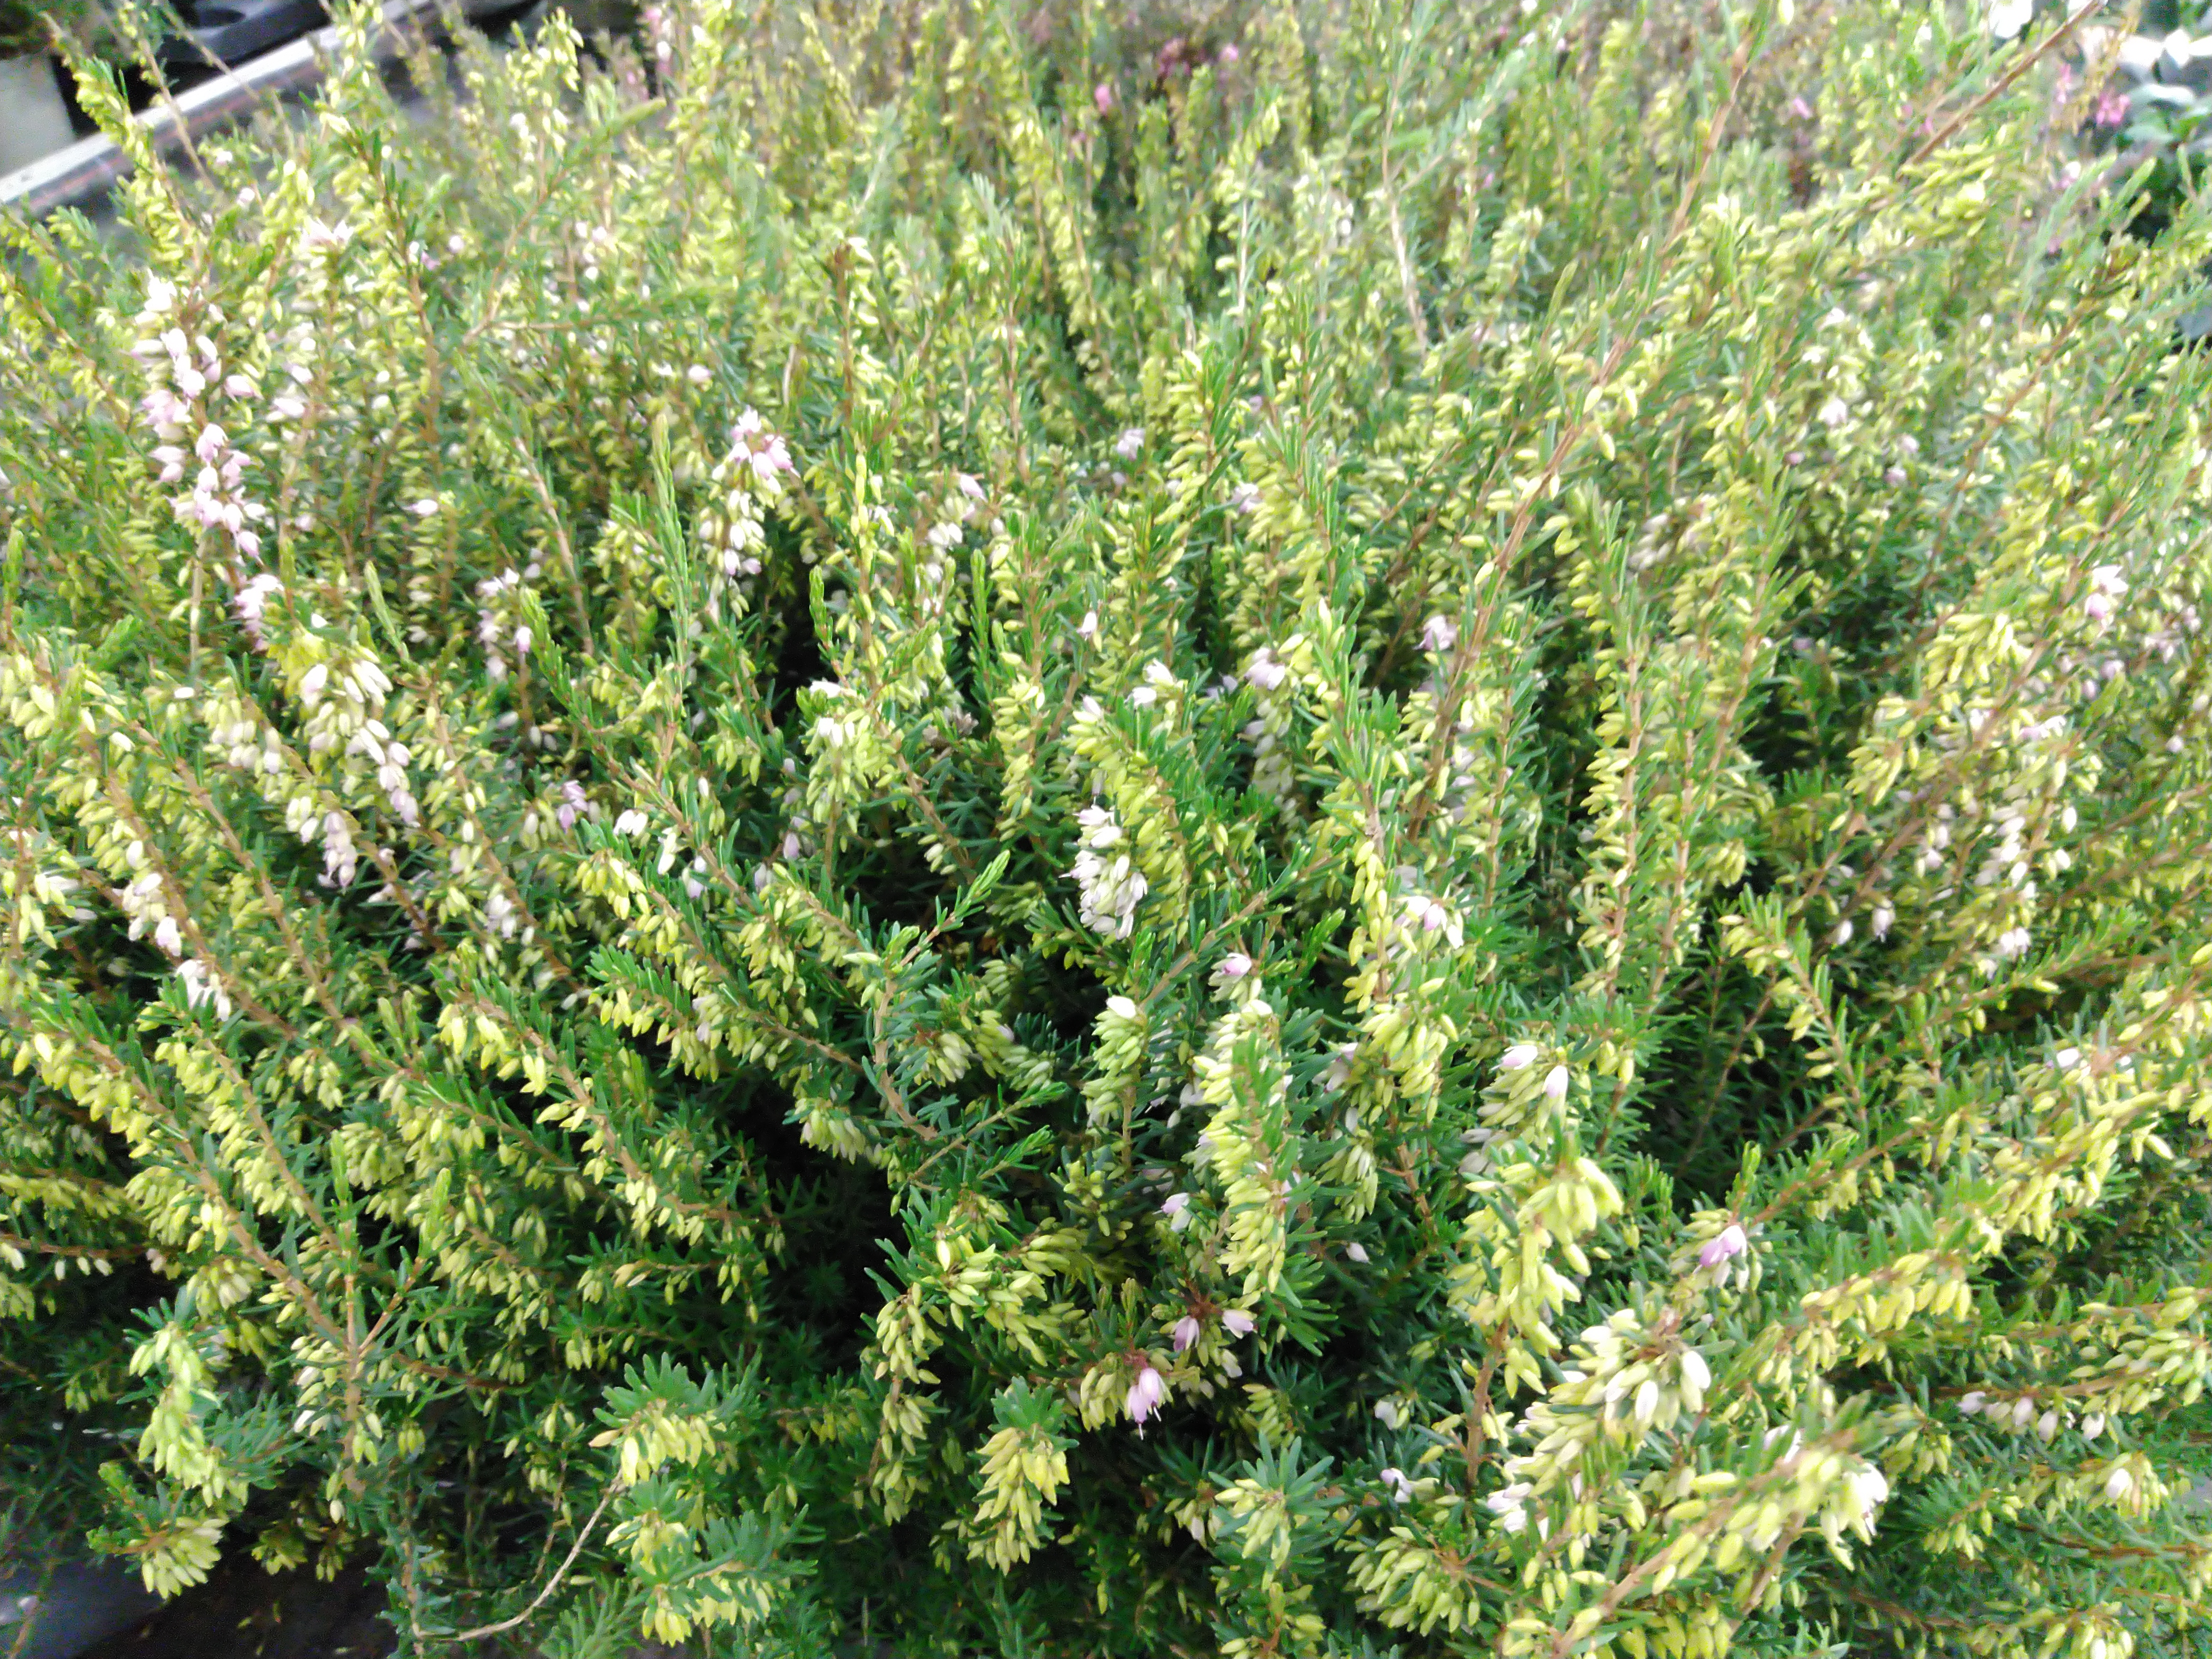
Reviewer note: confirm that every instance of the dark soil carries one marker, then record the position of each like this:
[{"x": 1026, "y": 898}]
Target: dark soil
[{"x": 242, "y": 1612}]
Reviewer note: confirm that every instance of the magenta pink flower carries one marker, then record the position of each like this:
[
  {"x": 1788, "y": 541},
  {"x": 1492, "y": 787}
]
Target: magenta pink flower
[
  {"x": 1146, "y": 1394},
  {"x": 2112, "y": 109},
  {"x": 1102, "y": 95}
]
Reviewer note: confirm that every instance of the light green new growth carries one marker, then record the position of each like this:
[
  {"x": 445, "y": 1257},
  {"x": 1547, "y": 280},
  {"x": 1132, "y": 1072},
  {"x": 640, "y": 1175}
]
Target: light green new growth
[{"x": 1313, "y": 827}]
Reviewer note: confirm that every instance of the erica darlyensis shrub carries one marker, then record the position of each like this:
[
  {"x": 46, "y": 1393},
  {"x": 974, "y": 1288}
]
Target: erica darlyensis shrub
[{"x": 1276, "y": 833}]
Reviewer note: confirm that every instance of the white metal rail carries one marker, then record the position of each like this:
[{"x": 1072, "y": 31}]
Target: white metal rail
[{"x": 91, "y": 165}]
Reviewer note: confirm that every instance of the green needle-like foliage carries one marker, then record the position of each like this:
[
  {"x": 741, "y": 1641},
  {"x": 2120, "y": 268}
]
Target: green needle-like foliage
[{"x": 1377, "y": 825}]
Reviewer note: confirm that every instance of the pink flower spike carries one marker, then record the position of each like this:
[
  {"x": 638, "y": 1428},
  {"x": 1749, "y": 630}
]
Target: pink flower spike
[{"x": 1102, "y": 96}]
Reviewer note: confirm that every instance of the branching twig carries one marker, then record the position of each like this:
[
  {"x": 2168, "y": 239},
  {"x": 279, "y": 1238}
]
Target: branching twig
[{"x": 550, "y": 1584}]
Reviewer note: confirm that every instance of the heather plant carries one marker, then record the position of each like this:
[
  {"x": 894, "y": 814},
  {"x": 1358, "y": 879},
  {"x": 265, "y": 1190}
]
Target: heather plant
[{"x": 1318, "y": 830}]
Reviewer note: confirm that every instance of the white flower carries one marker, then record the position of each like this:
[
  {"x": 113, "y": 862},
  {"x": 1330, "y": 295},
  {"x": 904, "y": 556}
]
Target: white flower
[
  {"x": 1123, "y": 1008},
  {"x": 945, "y": 537},
  {"x": 1129, "y": 443},
  {"x": 2092, "y": 1425},
  {"x": 1338, "y": 1072},
  {"x": 1842, "y": 935},
  {"x": 2120, "y": 1484},
  {"x": 1834, "y": 413},
  {"x": 1264, "y": 672},
  {"x": 200, "y": 987},
  {"x": 1695, "y": 1372},
  {"x": 1109, "y": 885},
  {"x": 1555, "y": 1083},
  {"x": 1088, "y": 628},
  {"x": 1972, "y": 1401},
  {"x": 1508, "y": 1503},
  {"x": 1233, "y": 967},
  {"x": 1386, "y": 1414},
  {"x": 698, "y": 375},
  {"x": 1438, "y": 635},
  {"x": 1869, "y": 1488},
  {"x": 1245, "y": 498},
  {"x": 1357, "y": 1252},
  {"x": 2066, "y": 1059},
  {"x": 1401, "y": 1489},
  {"x": 630, "y": 823},
  {"x": 1237, "y": 1321},
  {"x": 1185, "y": 1332},
  {"x": 1177, "y": 1210},
  {"x": 340, "y": 860},
  {"x": 2008, "y": 17},
  {"x": 1519, "y": 1057},
  {"x": 425, "y": 508}
]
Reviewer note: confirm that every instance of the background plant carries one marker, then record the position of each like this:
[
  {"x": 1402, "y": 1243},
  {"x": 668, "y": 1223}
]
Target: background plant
[
  {"x": 1066, "y": 833},
  {"x": 28, "y": 28}
]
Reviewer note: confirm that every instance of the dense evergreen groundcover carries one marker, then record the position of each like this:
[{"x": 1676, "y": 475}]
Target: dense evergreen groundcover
[{"x": 1077, "y": 834}]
